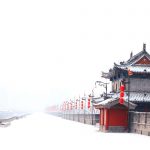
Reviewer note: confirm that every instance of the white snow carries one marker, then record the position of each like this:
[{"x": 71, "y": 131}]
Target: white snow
[{"x": 45, "y": 132}]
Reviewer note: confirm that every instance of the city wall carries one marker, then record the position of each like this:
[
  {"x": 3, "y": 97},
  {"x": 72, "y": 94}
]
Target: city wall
[
  {"x": 83, "y": 118},
  {"x": 140, "y": 123}
]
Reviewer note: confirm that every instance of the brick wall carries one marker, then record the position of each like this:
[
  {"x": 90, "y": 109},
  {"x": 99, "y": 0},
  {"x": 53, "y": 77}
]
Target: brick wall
[
  {"x": 140, "y": 122},
  {"x": 87, "y": 118},
  {"x": 139, "y": 84}
]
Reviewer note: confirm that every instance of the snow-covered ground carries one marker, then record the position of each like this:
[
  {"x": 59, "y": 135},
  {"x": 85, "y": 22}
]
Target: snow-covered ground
[{"x": 45, "y": 132}]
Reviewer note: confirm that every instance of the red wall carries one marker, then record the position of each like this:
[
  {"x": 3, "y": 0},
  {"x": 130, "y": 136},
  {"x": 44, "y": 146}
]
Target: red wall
[
  {"x": 118, "y": 117},
  {"x": 102, "y": 117},
  {"x": 106, "y": 118}
]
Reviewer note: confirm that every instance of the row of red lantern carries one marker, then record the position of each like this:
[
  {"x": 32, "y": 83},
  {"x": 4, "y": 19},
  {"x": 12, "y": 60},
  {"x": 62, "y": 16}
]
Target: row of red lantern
[
  {"x": 122, "y": 88},
  {"x": 53, "y": 108},
  {"x": 121, "y": 99},
  {"x": 77, "y": 105},
  {"x": 83, "y": 104}
]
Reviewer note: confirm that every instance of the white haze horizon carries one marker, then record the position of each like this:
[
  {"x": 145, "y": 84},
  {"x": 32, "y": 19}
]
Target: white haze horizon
[{"x": 53, "y": 51}]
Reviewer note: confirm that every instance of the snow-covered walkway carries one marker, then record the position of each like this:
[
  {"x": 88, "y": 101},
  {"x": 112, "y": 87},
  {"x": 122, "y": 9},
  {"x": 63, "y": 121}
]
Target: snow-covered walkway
[{"x": 45, "y": 132}]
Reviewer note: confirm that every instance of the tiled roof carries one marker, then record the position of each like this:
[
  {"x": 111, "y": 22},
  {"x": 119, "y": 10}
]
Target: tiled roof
[
  {"x": 104, "y": 102},
  {"x": 108, "y": 103},
  {"x": 135, "y": 96},
  {"x": 137, "y": 57},
  {"x": 99, "y": 99},
  {"x": 137, "y": 69},
  {"x": 131, "y": 64},
  {"x": 139, "y": 97},
  {"x": 140, "y": 69}
]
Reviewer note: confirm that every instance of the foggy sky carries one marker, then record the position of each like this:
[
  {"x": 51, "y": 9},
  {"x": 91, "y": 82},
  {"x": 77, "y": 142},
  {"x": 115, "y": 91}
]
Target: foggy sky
[{"x": 53, "y": 51}]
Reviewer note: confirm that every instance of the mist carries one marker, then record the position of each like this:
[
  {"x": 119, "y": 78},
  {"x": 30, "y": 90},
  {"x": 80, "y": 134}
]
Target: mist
[{"x": 52, "y": 51}]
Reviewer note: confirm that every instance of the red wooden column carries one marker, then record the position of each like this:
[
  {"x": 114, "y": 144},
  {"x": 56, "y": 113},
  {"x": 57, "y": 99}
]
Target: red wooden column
[
  {"x": 100, "y": 112},
  {"x": 102, "y": 117},
  {"x": 106, "y": 118}
]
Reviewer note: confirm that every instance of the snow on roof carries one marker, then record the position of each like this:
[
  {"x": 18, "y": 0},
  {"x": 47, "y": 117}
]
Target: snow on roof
[
  {"x": 133, "y": 99},
  {"x": 104, "y": 102},
  {"x": 139, "y": 97},
  {"x": 108, "y": 103},
  {"x": 131, "y": 64},
  {"x": 134, "y": 69},
  {"x": 98, "y": 99},
  {"x": 138, "y": 56},
  {"x": 135, "y": 96},
  {"x": 137, "y": 68}
]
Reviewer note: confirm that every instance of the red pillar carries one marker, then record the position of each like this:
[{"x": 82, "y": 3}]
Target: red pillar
[
  {"x": 102, "y": 117},
  {"x": 106, "y": 119},
  {"x": 100, "y": 112}
]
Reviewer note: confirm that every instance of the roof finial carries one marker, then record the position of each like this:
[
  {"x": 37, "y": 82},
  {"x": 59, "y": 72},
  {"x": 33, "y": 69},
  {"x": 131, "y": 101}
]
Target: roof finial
[
  {"x": 131, "y": 54},
  {"x": 144, "y": 47}
]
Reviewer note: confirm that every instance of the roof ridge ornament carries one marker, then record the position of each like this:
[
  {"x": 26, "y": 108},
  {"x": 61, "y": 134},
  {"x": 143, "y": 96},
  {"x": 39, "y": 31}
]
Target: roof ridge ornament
[
  {"x": 131, "y": 55},
  {"x": 144, "y": 47}
]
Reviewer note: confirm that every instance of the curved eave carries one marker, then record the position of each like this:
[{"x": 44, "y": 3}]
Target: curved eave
[
  {"x": 110, "y": 103},
  {"x": 136, "y": 69}
]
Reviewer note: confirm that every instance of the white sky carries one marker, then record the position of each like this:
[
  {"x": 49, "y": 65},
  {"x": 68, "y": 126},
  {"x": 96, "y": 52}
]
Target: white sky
[{"x": 53, "y": 51}]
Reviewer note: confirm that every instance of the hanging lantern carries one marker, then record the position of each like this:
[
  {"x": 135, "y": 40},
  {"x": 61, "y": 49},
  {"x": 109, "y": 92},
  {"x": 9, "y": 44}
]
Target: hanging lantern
[
  {"x": 67, "y": 105},
  {"x": 76, "y": 105},
  {"x": 71, "y": 106},
  {"x": 89, "y": 103},
  {"x": 81, "y": 104},
  {"x": 63, "y": 107},
  {"x": 121, "y": 99},
  {"x": 122, "y": 88},
  {"x": 121, "y": 94},
  {"x": 130, "y": 73}
]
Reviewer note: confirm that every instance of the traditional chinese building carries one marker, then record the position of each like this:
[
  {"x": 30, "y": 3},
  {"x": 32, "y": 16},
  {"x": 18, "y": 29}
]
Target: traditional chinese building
[{"x": 134, "y": 74}]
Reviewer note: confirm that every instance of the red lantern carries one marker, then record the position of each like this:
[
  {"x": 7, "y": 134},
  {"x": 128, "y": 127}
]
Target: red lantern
[
  {"x": 70, "y": 106},
  {"x": 64, "y": 106},
  {"x": 121, "y": 94},
  {"x": 67, "y": 105},
  {"x": 130, "y": 73},
  {"x": 122, "y": 88},
  {"x": 89, "y": 103},
  {"x": 76, "y": 105},
  {"x": 81, "y": 104},
  {"x": 121, "y": 99}
]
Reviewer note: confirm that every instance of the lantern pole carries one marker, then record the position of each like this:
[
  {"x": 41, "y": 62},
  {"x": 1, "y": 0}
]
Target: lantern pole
[
  {"x": 100, "y": 83},
  {"x": 78, "y": 108},
  {"x": 84, "y": 111},
  {"x": 130, "y": 73},
  {"x": 84, "y": 107},
  {"x": 73, "y": 108},
  {"x": 128, "y": 102},
  {"x": 92, "y": 106},
  {"x": 92, "y": 114}
]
